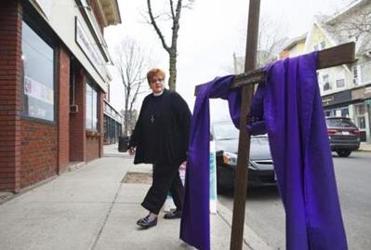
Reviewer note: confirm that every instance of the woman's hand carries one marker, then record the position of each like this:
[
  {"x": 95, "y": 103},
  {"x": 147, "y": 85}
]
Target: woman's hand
[{"x": 132, "y": 150}]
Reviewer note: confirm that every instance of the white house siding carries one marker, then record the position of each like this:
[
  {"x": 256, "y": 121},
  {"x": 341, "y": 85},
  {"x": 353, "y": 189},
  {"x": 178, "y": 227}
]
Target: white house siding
[
  {"x": 365, "y": 69},
  {"x": 334, "y": 74}
]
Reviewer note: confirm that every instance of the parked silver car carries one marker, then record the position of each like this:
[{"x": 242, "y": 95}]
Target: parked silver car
[{"x": 261, "y": 171}]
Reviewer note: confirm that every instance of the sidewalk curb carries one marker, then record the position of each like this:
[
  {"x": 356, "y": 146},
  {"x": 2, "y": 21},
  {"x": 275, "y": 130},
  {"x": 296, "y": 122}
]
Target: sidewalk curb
[
  {"x": 250, "y": 238},
  {"x": 364, "y": 147},
  {"x": 364, "y": 150}
]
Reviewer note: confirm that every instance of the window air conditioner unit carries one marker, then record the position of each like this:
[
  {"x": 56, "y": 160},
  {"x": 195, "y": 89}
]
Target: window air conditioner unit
[{"x": 74, "y": 108}]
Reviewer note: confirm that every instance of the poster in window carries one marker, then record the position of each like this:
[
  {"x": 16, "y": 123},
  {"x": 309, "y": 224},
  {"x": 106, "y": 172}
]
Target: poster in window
[
  {"x": 40, "y": 99},
  {"x": 38, "y": 90}
]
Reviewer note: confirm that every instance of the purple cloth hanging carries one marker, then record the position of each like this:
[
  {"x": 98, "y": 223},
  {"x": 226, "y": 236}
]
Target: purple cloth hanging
[
  {"x": 195, "y": 223},
  {"x": 288, "y": 106},
  {"x": 295, "y": 122}
]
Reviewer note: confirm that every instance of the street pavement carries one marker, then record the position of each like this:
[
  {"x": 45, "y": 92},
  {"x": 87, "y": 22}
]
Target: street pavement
[
  {"x": 92, "y": 208},
  {"x": 266, "y": 216}
]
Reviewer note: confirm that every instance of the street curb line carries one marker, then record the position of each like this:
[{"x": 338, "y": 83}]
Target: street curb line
[{"x": 250, "y": 237}]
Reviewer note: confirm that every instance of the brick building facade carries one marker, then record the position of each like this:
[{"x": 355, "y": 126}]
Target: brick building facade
[{"x": 52, "y": 86}]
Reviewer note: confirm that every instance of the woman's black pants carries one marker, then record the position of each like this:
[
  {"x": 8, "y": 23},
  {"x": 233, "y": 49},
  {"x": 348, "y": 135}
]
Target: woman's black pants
[{"x": 165, "y": 178}]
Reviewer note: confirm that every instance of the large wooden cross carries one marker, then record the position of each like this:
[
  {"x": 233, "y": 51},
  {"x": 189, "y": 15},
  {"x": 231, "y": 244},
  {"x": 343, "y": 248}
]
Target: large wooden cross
[{"x": 335, "y": 56}]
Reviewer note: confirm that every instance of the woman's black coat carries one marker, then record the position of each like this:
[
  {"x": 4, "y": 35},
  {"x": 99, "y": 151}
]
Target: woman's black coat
[{"x": 162, "y": 130}]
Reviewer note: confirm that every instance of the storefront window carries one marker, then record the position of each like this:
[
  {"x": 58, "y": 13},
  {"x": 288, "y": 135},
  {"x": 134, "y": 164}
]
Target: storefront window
[
  {"x": 91, "y": 108},
  {"x": 344, "y": 112},
  {"x": 360, "y": 109},
  {"x": 38, "y": 75},
  {"x": 361, "y": 122}
]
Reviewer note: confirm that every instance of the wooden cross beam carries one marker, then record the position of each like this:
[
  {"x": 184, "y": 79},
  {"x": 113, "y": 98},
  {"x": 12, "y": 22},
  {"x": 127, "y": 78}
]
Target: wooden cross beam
[
  {"x": 342, "y": 54},
  {"x": 334, "y": 56},
  {"x": 240, "y": 184}
]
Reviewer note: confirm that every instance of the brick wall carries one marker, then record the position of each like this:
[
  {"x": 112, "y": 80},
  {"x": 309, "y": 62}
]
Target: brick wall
[
  {"x": 30, "y": 150},
  {"x": 38, "y": 152},
  {"x": 92, "y": 147},
  {"x": 63, "y": 111},
  {"x": 10, "y": 94},
  {"x": 77, "y": 121},
  {"x": 101, "y": 103}
]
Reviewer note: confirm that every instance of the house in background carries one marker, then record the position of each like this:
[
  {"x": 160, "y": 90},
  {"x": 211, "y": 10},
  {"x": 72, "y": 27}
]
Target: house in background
[
  {"x": 345, "y": 89},
  {"x": 53, "y": 81},
  {"x": 263, "y": 57},
  {"x": 294, "y": 47}
]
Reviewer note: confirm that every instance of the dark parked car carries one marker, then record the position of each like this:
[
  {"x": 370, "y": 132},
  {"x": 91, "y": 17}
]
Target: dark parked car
[
  {"x": 344, "y": 136},
  {"x": 260, "y": 173}
]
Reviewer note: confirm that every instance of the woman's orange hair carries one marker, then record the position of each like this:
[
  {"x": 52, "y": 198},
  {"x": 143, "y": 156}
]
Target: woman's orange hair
[{"x": 154, "y": 72}]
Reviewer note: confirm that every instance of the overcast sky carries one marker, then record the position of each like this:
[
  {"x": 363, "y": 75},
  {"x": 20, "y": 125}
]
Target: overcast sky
[{"x": 209, "y": 35}]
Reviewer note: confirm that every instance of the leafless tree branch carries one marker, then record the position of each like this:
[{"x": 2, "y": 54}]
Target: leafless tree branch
[
  {"x": 355, "y": 24},
  {"x": 155, "y": 26},
  {"x": 171, "y": 3},
  {"x": 130, "y": 63},
  {"x": 174, "y": 14}
]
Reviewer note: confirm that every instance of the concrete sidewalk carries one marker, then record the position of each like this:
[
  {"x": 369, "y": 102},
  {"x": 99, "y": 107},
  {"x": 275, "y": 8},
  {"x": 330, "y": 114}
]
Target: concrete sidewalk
[
  {"x": 365, "y": 147},
  {"x": 91, "y": 208}
]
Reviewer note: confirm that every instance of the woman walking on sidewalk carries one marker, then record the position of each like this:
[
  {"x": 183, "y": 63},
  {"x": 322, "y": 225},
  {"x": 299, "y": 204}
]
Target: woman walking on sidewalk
[{"x": 160, "y": 138}]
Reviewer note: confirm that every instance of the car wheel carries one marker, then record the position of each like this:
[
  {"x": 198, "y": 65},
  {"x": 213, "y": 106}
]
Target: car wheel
[{"x": 343, "y": 153}]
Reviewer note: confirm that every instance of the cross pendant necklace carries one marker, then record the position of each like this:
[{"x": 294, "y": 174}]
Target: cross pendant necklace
[{"x": 152, "y": 118}]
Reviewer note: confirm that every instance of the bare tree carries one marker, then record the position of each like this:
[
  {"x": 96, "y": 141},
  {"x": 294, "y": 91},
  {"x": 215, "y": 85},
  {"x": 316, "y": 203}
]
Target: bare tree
[
  {"x": 356, "y": 23},
  {"x": 173, "y": 14},
  {"x": 271, "y": 38},
  {"x": 130, "y": 62},
  {"x": 351, "y": 24}
]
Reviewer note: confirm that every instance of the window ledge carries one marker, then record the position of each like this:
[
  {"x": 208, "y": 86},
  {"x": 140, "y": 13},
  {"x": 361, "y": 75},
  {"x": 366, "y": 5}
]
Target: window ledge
[{"x": 90, "y": 133}]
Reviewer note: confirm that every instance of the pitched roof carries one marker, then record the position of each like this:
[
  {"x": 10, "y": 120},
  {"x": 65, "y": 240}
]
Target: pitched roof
[
  {"x": 332, "y": 27},
  {"x": 294, "y": 41}
]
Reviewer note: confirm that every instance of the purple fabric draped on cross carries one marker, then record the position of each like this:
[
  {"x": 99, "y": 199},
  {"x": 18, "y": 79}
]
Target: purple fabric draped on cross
[
  {"x": 288, "y": 107},
  {"x": 195, "y": 223}
]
